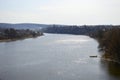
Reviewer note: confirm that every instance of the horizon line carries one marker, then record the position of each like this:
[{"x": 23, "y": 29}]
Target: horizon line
[{"x": 60, "y": 24}]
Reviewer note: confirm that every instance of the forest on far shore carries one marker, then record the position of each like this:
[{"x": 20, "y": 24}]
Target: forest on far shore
[{"x": 12, "y": 34}]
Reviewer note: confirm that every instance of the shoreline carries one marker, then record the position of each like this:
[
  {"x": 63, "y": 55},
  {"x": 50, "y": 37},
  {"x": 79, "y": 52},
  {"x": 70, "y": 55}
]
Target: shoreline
[
  {"x": 15, "y": 39},
  {"x": 110, "y": 60}
]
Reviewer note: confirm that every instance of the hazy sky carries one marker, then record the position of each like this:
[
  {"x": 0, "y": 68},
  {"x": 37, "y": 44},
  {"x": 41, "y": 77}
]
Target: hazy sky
[{"x": 60, "y": 11}]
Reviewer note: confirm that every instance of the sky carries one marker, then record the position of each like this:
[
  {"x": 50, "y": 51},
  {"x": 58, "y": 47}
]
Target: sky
[{"x": 75, "y": 12}]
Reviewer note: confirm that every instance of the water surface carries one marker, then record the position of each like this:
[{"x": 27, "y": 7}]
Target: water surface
[{"x": 53, "y": 57}]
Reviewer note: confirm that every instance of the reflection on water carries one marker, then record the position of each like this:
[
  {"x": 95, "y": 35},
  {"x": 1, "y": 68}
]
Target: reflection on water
[
  {"x": 72, "y": 41},
  {"x": 111, "y": 68}
]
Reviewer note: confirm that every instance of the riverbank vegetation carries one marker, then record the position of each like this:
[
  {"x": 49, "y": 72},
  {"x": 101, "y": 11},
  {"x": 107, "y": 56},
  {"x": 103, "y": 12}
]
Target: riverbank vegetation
[
  {"x": 9, "y": 34},
  {"x": 109, "y": 43}
]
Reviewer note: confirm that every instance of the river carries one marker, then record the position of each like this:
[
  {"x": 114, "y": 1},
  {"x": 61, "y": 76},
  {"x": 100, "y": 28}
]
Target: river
[{"x": 54, "y": 57}]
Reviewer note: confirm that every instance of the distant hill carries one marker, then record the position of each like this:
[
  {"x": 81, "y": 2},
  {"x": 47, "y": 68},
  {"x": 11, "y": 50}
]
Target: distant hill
[
  {"x": 61, "y": 29},
  {"x": 23, "y": 26}
]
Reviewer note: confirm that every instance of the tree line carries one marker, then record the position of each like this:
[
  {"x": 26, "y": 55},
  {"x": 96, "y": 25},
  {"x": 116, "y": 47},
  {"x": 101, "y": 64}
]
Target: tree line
[
  {"x": 11, "y": 33},
  {"x": 109, "y": 43}
]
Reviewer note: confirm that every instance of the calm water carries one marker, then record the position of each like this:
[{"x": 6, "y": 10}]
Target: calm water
[{"x": 54, "y": 57}]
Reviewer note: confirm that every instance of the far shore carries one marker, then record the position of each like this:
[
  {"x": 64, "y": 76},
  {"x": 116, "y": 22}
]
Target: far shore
[{"x": 15, "y": 39}]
